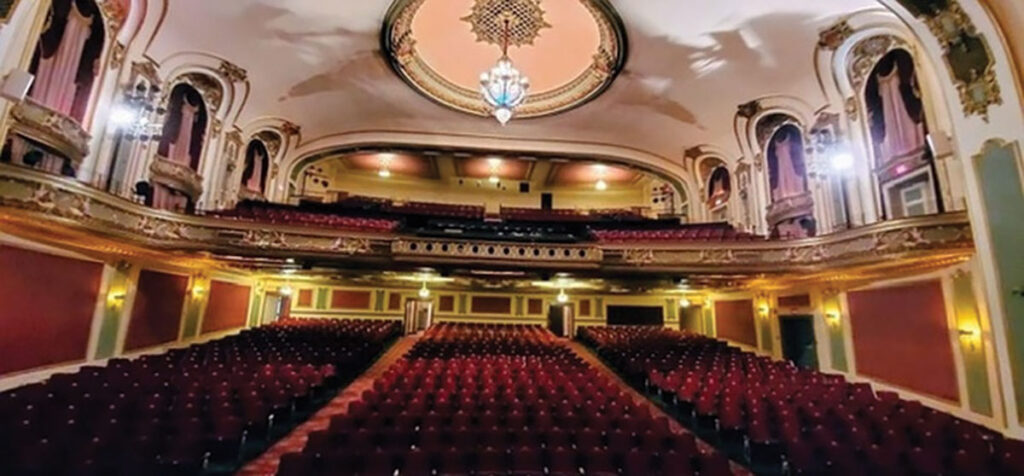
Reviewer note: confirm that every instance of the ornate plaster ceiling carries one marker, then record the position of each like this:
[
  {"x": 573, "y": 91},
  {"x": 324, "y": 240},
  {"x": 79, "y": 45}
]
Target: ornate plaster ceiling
[
  {"x": 570, "y": 51},
  {"x": 319, "y": 65}
]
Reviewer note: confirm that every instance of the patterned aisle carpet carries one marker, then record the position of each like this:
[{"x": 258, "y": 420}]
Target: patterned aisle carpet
[
  {"x": 592, "y": 359},
  {"x": 266, "y": 464}
]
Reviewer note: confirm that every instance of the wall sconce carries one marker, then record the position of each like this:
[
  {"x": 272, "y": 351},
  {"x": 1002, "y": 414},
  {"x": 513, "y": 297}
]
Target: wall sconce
[
  {"x": 764, "y": 311},
  {"x": 562, "y": 297},
  {"x": 971, "y": 336},
  {"x": 424, "y": 292},
  {"x": 286, "y": 290},
  {"x": 685, "y": 303},
  {"x": 116, "y": 298},
  {"x": 832, "y": 318},
  {"x": 197, "y": 291}
]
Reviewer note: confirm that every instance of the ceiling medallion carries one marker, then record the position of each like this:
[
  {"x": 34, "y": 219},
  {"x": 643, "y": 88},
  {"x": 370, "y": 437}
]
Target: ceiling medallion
[{"x": 573, "y": 51}]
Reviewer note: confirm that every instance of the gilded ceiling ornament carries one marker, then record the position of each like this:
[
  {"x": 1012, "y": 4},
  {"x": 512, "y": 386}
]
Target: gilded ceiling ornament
[
  {"x": 291, "y": 129},
  {"x": 852, "y": 108},
  {"x": 524, "y": 20},
  {"x": 834, "y": 36},
  {"x": 117, "y": 55},
  {"x": 749, "y": 109},
  {"x": 233, "y": 72},
  {"x": 147, "y": 70}
]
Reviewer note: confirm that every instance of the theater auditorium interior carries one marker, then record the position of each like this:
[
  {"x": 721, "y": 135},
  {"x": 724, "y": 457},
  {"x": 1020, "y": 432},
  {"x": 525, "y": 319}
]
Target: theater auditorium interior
[{"x": 511, "y": 237}]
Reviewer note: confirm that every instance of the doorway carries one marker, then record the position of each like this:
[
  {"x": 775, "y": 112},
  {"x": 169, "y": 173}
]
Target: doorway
[
  {"x": 798, "y": 343},
  {"x": 275, "y": 306},
  {"x": 419, "y": 315},
  {"x": 561, "y": 320}
]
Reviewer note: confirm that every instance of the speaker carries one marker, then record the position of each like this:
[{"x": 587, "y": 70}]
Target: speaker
[
  {"x": 546, "y": 201},
  {"x": 16, "y": 85},
  {"x": 524, "y": 187}
]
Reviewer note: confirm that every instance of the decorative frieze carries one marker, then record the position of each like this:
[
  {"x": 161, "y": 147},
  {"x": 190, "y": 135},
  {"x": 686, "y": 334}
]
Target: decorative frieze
[{"x": 176, "y": 176}]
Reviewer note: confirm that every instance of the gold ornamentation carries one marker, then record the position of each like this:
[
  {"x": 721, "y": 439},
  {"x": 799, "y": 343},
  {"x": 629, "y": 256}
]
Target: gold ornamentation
[
  {"x": 233, "y": 72},
  {"x": 51, "y": 128},
  {"x": 867, "y": 53},
  {"x": 608, "y": 61},
  {"x": 177, "y": 176},
  {"x": 351, "y": 246},
  {"x": 147, "y": 70},
  {"x": 291, "y": 129},
  {"x": 524, "y": 20},
  {"x": 117, "y": 55},
  {"x": 834, "y": 36}
]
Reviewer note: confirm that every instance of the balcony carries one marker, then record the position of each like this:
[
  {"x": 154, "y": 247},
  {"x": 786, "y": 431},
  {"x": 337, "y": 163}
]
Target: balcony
[
  {"x": 36, "y": 204},
  {"x": 176, "y": 176},
  {"x": 61, "y": 134}
]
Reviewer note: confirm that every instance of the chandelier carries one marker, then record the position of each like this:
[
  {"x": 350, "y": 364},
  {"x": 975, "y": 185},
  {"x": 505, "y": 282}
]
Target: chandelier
[{"x": 504, "y": 88}]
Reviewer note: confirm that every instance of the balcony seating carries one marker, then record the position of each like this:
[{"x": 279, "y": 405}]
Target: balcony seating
[
  {"x": 489, "y": 400},
  {"x": 715, "y": 233},
  {"x": 203, "y": 408},
  {"x": 502, "y": 231},
  {"x": 784, "y": 419},
  {"x": 439, "y": 210},
  {"x": 539, "y": 215},
  {"x": 298, "y": 217}
]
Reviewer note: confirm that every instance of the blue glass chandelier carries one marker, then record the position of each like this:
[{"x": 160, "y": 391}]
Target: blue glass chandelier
[{"x": 504, "y": 88}]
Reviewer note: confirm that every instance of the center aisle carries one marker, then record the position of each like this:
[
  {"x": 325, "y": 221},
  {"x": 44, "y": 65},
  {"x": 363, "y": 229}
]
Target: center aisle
[
  {"x": 591, "y": 359},
  {"x": 267, "y": 463}
]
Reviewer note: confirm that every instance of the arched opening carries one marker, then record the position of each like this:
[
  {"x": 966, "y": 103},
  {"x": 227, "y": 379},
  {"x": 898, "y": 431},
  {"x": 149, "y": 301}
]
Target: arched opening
[
  {"x": 903, "y": 158},
  {"x": 791, "y": 213},
  {"x": 257, "y": 165},
  {"x": 66, "y": 59},
  {"x": 185, "y": 130},
  {"x": 719, "y": 190}
]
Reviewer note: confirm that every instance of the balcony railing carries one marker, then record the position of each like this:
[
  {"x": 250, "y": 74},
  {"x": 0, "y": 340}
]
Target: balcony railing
[{"x": 46, "y": 204}]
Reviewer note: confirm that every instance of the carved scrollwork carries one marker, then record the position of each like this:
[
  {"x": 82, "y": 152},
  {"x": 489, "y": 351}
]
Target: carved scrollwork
[
  {"x": 51, "y": 128},
  {"x": 177, "y": 176}
]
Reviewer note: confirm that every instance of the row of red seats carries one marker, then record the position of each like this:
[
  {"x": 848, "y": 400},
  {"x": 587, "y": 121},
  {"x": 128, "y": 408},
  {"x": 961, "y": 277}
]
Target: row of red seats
[
  {"x": 541, "y": 215},
  {"x": 489, "y": 400},
  {"x": 298, "y": 217},
  {"x": 206, "y": 407},
  {"x": 440, "y": 210},
  {"x": 688, "y": 233},
  {"x": 780, "y": 418}
]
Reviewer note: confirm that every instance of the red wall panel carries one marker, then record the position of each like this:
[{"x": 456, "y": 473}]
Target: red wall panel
[
  {"x": 901, "y": 336},
  {"x": 227, "y": 307},
  {"x": 47, "y": 307},
  {"x": 535, "y": 307},
  {"x": 341, "y": 299},
  {"x": 585, "y": 308},
  {"x": 305, "y": 298},
  {"x": 156, "y": 314},
  {"x": 446, "y": 304},
  {"x": 394, "y": 302},
  {"x": 491, "y": 305},
  {"x": 734, "y": 320}
]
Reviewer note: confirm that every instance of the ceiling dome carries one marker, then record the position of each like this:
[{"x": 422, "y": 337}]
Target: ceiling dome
[{"x": 571, "y": 51}]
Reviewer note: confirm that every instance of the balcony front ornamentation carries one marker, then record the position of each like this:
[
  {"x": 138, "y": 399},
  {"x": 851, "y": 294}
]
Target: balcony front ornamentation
[
  {"x": 52, "y": 129},
  {"x": 176, "y": 176}
]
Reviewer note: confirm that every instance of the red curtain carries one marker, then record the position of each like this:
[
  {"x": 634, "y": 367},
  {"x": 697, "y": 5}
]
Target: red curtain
[
  {"x": 156, "y": 314},
  {"x": 901, "y": 336},
  {"x": 227, "y": 307},
  {"x": 48, "y": 306}
]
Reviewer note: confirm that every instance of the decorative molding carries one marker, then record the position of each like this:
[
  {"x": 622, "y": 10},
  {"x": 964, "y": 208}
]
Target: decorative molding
[
  {"x": 60, "y": 206},
  {"x": 7, "y": 8},
  {"x": 866, "y": 54},
  {"x": 233, "y": 72},
  {"x": 399, "y": 46},
  {"x": 834, "y": 36},
  {"x": 52, "y": 129},
  {"x": 967, "y": 54},
  {"x": 177, "y": 176},
  {"x": 525, "y": 19},
  {"x": 148, "y": 70},
  {"x": 750, "y": 109}
]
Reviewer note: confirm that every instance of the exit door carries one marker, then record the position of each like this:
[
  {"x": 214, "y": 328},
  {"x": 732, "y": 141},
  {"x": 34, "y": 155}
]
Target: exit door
[
  {"x": 419, "y": 315},
  {"x": 561, "y": 320},
  {"x": 798, "y": 344}
]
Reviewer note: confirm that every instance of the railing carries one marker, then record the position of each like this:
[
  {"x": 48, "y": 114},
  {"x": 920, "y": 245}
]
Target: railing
[{"x": 42, "y": 203}]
